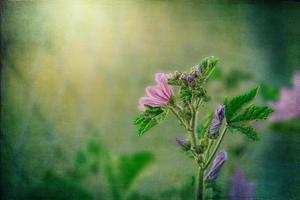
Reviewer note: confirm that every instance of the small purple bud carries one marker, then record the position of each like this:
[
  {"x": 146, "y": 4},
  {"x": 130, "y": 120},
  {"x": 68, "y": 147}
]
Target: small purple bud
[
  {"x": 191, "y": 79},
  {"x": 217, "y": 122},
  {"x": 184, "y": 144},
  {"x": 198, "y": 71},
  {"x": 217, "y": 165}
]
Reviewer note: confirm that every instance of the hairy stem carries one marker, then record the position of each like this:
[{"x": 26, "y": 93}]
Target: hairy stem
[
  {"x": 216, "y": 147},
  {"x": 194, "y": 127},
  {"x": 193, "y": 131},
  {"x": 208, "y": 150},
  {"x": 200, "y": 186}
]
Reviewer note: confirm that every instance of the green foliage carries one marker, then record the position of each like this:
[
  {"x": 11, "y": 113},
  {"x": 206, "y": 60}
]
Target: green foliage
[
  {"x": 289, "y": 127},
  {"x": 269, "y": 93},
  {"x": 214, "y": 191},
  {"x": 253, "y": 112},
  {"x": 55, "y": 187},
  {"x": 174, "y": 82},
  {"x": 203, "y": 128},
  {"x": 122, "y": 173},
  {"x": 94, "y": 167},
  {"x": 137, "y": 196},
  {"x": 88, "y": 160},
  {"x": 234, "y": 105},
  {"x": 81, "y": 158},
  {"x": 150, "y": 118},
  {"x": 130, "y": 166},
  {"x": 185, "y": 94},
  {"x": 94, "y": 148},
  {"x": 208, "y": 65},
  {"x": 238, "y": 118},
  {"x": 111, "y": 177},
  {"x": 246, "y": 130},
  {"x": 185, "y": 191}
]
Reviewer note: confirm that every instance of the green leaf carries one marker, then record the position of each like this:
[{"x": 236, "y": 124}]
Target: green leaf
[
  {"x": 150, "y": 118},
  {"x": 129, "y": 167},
  {"x": 253, "y": 113},
  {"x": 203, "y": 129},
  {"x": 208, "y": 65},
  {"x": 248, "y": 131},
  {"x": 173, "y": 82},
  {"x": 234, "y": 105},
  {"x": 186, "y": 95}
]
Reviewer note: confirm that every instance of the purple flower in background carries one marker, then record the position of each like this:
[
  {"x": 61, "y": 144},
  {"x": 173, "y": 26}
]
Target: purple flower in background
[
  {"x": 288, "y": 106},
  {"x": 217, "y": 121},
  {"x": 241, "y": 189},
  {"x": 158, "y": 95},
  {"x": 184, "y": 144},
  {"x": 217, "y": 165}
]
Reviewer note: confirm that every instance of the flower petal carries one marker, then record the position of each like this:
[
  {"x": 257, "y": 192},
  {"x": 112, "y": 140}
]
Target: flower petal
[
  {"x": 162, "y": 81},
  {"x": 148, "y": 101},
  {"x": 156, "y": 93}
]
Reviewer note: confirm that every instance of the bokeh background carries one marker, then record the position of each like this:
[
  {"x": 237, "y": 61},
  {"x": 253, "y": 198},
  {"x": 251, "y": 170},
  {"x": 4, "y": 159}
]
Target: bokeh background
[{"x": 72, "y": 72}]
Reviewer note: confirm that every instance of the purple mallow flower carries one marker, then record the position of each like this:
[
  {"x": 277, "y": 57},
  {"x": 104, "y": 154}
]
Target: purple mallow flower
[
  {"x": 184, "y": 144},
  {"x": 240, "y": 188},
  {"x": 158, "y": 95},
  {"x": 288, "y": 106},
  {"x": 217, "y": 121},
  {"x": 217, "y": 165}
]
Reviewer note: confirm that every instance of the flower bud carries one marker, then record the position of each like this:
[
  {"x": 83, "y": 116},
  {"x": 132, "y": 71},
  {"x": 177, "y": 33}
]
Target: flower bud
[
  {"x": 216, "y": 124},
  {"x": 198, "y": 71},
  {"x": 184, "y": 144},
  {"x": 217, "y": 165},
  {"x": 176, "y": 75},
  {"x": 191, "y": 79}
]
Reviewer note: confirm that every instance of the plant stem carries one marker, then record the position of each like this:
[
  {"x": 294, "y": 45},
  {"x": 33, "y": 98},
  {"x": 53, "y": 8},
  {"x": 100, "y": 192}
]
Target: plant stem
[
  {"x": 208, "y": 150},
  {"x": 180, "y": 118},
  {"x": 193, "y": 131},
  {"x": 200, "y": 188},
  {"x": 216, "y": 148}
]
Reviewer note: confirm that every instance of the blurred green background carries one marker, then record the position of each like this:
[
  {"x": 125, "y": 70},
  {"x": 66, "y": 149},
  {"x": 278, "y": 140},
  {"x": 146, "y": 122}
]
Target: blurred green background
[{"x": 73, "y": 72}]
